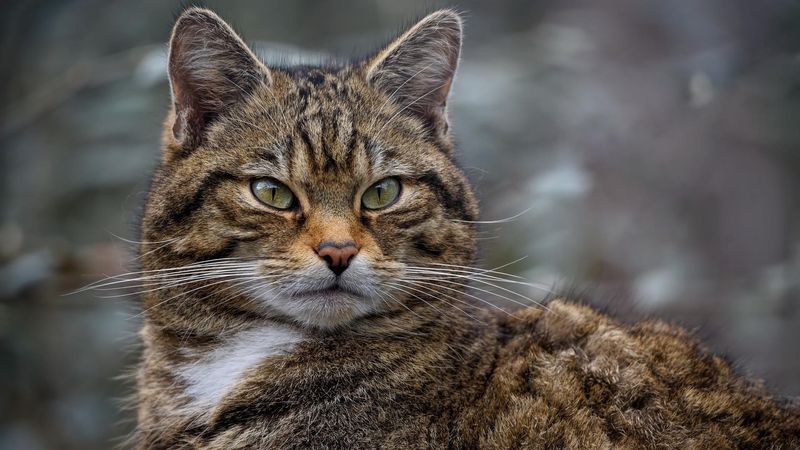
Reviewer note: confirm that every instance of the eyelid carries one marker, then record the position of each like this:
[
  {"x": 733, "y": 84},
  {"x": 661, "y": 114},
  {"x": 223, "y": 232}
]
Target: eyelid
[
  {"x": 262, "y": 172},
  {"x": 252, "y": 173},
  {"x": 375, "y": 180}
]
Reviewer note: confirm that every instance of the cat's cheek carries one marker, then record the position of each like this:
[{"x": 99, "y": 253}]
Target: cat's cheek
[
  {"x": 389, "y": 245},
  {"x": 390, "y": 240}
]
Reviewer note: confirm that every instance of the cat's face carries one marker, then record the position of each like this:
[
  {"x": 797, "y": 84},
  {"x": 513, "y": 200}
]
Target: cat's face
[{"x": 307, "y": 194}]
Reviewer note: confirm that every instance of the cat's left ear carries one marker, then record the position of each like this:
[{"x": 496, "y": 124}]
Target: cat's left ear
[
  {"x": 416, "y": 70},
  {"x": 210, "y": 71}
]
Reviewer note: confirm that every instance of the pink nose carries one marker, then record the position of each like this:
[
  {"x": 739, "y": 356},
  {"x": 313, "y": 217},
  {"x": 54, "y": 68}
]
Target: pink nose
[{"x": 337, "y": 255}]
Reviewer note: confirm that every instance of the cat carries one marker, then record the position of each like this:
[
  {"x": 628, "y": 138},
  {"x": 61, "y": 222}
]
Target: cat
[{"x": 307, "y": 242}]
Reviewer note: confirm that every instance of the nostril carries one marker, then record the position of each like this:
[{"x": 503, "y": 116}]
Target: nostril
[{"x": 328, "y": 260}]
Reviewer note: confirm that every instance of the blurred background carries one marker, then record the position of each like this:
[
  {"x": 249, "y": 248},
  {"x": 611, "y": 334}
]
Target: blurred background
[{"x": 652, "y": 146}]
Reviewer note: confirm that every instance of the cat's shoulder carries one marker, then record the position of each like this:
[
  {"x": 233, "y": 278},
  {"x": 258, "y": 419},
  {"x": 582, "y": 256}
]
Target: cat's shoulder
[
  {"x": 567, "y": 325},
  {"x": 598, "y": 345},
  {"x": 588, "y": 374}
]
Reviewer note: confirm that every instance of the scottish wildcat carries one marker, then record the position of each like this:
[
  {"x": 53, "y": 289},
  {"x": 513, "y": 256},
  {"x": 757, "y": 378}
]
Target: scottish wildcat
[{"x": 308, "y": 240}]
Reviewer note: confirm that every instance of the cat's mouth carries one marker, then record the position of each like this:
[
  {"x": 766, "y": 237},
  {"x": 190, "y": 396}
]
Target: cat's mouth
[{"x": 332, "y": 291}]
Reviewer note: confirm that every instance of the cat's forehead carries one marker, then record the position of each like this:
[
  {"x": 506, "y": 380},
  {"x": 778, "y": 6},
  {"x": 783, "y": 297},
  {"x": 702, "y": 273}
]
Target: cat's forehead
[
  {"x": 320, "y": 82},
  {"x": 307, "y": 90},
  {"x": 313, "y": 123}
]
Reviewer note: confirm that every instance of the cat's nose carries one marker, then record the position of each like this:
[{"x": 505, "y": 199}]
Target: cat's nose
[{"x": 337, "y": 254}]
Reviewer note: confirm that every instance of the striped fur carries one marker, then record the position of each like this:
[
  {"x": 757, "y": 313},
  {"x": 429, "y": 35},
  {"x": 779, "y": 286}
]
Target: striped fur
[{"x": 245, "y": 347}]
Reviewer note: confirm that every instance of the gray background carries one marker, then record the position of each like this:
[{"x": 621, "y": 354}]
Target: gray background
[{"x": 652, "y": 144}]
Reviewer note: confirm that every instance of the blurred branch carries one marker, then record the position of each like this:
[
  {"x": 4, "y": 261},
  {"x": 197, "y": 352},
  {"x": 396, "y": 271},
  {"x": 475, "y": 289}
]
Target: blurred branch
[{"x": 77, "y": 78}]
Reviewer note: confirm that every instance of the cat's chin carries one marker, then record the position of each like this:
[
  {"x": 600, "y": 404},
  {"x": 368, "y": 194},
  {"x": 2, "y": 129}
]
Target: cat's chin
[{"x": 325, "y": 309}]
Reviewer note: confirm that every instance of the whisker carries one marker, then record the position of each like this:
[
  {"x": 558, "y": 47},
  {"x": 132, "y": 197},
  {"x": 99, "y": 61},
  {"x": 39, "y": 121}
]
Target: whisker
[
  {"x": 183, "y": 294},
  {"x": 486, "y": 291},
  {"x": 181, "y": 283},
  {"x": 419, "y": 298},
  {"x": 111, "y": 283},
  {"x": 477, "y": 277},
  {"x": 221, "y": 263},
  {"x": 242, "y": 292},
  {"x": 130, "y": 241},
  {"x": 405, "y": 108},
  {"x": 404, "y": 306},
  {"x": 493, "y": 269},
  {"x": 114, "y": 279},
  {"x": 168, "y": 242},
  {"x": 261, "y": 107},
  {"x": 208, "y": 263},
  {"x": 505, "y": 220},
  {"x": 391, "y": 96},
  {"x": 460, "y": 274},
  {"x": 411, "y": 286},
  {"x": 434, "y": 285},
  {"x": 286, "y": 121}
]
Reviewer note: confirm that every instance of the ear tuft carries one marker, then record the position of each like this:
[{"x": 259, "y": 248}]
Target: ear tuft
[
  {"x": 416, "y": 70},
  {"x": 210, "y": 70}
]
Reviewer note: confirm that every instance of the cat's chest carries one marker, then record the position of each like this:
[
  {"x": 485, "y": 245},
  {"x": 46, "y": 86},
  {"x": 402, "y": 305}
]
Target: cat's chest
[{"x": 211, "y": 374}]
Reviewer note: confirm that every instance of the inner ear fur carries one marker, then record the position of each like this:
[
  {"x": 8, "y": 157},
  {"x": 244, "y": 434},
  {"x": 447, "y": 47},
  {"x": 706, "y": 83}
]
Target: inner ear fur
[{"x": 416, "y": 69}]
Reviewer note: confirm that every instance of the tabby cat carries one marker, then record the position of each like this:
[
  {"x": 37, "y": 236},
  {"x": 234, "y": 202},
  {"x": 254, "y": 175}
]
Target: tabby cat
[{"x": 307, "y": 243}]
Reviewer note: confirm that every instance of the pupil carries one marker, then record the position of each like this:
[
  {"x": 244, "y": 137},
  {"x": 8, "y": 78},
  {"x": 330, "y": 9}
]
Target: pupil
[
  {"x": 273, "y": 193},
  {"x": 379, "y": 189}
]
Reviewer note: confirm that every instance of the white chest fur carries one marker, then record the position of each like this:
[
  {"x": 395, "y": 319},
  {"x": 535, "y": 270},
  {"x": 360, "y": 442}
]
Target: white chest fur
[{"x": 216, "y": 372}]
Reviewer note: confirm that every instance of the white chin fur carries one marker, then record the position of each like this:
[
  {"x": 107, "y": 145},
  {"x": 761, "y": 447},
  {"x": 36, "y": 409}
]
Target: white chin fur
[{"x": 325, "y": 311}]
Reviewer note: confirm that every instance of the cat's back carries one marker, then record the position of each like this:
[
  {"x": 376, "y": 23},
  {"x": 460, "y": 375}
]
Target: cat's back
[{"x": 569, "y": 377}]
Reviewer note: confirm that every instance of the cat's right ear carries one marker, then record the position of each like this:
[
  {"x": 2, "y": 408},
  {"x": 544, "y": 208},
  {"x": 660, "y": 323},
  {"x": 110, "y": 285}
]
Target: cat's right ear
[
  {"x": 416, "y": 70},
  {"x": 210, "y": 70}
]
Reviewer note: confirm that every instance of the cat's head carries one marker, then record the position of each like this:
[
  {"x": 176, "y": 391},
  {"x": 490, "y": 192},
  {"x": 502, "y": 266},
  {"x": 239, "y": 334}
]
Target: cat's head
[{"x": 312, "y": 194}]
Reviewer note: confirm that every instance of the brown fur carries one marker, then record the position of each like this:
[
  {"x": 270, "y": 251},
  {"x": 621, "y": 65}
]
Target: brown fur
[{"x": 429, "y": 367}]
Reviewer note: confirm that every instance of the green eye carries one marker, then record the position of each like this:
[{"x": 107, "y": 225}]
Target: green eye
[
  {"x": 381, "y": 194},
  {"x": 273, "y": 193}
]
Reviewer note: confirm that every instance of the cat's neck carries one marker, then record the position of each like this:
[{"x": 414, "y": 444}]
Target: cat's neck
[{"x": 205, "y": 370}]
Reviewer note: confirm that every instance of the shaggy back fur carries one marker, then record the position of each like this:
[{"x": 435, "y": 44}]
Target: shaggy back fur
[{"x": 256, "y": 337}]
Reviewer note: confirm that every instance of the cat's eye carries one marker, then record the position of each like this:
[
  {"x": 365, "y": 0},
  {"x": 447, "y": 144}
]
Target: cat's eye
[
  {"x": 273, "y": 193},
  {"x": 381, "y": 194}
]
